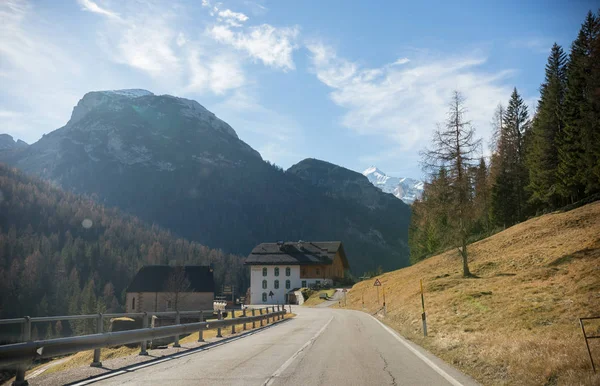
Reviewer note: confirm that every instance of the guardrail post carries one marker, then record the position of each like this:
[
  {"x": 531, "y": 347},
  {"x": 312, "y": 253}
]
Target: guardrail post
[
  {"x": 201, "y": 331},
  {"x": 177, "y": 320},
  {"x": 26, "y": 335},
  {"x": 99, "y": 327},
  {"x": 260, "y": 310},
  {"x": 144, "y": 344},
  {"x": 233, "y": 317},
  {"x": 278, "y": 309},
  {"x": 243, "y": 316},
  {"x": 253, "y": 322},
  {"x": 220, "y": 317}
]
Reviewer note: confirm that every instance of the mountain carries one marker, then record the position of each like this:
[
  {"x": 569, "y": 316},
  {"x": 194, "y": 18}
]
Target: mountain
[
  {"x": 58, "y": 250},
  {"x": 8, "y": 143},
  {"x": 406, "y": 189},
  {"x": 170, "y": 161}
]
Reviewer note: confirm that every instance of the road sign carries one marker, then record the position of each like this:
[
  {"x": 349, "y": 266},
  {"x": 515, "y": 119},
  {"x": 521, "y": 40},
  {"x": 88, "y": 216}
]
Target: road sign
[{"x": 377, "y": 283}]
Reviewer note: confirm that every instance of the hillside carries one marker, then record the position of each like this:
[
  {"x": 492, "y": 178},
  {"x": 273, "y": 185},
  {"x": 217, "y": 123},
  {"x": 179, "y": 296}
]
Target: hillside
[
  {"x": 170, "y": 161},
  {"x": 61, "y": 253},
  {"x": 517, "y": 323}
]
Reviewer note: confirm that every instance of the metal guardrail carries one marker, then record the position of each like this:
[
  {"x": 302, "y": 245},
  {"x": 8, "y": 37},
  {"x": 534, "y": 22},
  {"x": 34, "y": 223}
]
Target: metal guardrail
[{"x": 18, "y": 355}]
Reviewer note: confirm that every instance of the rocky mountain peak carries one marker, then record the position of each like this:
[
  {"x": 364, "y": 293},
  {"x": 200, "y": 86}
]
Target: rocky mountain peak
[{"x": 8, "y": 143}]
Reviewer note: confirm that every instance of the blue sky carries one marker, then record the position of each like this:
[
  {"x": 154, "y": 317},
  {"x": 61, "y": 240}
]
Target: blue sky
[{"x": 354, "y": 83}]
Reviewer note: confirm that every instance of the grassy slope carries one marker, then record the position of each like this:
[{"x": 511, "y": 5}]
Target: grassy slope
[
  {"x": 518, "y": 322},
  {"x": 314, "y": 299}
]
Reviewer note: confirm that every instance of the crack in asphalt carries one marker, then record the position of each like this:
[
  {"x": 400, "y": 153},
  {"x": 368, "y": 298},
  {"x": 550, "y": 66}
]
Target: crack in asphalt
[{"x": 385, "y": 368}]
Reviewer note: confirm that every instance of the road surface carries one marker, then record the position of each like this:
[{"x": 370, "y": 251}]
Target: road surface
[{"x": 320, "y": 346}]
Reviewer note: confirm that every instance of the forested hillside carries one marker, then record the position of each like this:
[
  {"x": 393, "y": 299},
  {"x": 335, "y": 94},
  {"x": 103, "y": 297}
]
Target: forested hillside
[
  {"x": 539, "y": 162},
  {"x": 62, "y": 253}
]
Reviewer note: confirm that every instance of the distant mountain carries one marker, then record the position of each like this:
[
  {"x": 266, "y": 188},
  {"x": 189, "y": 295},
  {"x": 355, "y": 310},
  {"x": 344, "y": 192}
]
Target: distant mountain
[
  {"x": 406, "y": 189},
  {"x": 170, "y": 161},
  {"x": 8, "y": 143}
]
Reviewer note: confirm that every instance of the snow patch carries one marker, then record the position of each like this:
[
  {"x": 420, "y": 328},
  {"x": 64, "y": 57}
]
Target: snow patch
[{"x": 406, "y": 189}]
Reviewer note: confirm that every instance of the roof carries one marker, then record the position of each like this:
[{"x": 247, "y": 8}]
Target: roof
[
  {"x": 155, "y": 278},
  {"x": 297, "y": 253}
]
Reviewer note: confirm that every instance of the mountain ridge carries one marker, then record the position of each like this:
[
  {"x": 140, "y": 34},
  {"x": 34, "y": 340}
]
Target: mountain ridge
[
  {"x": 406, "y": 189},
  {"x": 169, "y": 160}
]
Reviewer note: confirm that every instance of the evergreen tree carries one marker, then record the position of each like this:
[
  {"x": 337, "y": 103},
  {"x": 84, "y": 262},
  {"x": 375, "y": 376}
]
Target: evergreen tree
[
  {"x": 542, "y": 160},
  {"x": 508, "y": 190},
  {"x": 453, "y": 148},
  {"x": 481, "y": 200},
  {"x": 579, "y": 157}
]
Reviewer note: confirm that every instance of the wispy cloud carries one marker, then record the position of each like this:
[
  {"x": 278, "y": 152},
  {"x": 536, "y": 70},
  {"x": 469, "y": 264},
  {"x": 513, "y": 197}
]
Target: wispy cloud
[
  {"x": 540, "y": 45},
  {"x": 90, "y": 6},
  {"x": 403, "y": 102},
  {"x": 273, "y": 46}
]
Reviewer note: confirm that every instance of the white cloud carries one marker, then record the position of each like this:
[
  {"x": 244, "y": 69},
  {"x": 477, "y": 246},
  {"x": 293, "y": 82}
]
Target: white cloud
[
  {"x": 273, "y": 46},
  {"x": 229, "y": 14},
  {"x": 35, "y": 74},
  {"x": 180, "y": 39},
  {"x": 401, "y": 61},
  {"x": 403, "y": 103},
  {"x": 88, "y": 5},
  {"x": 218, "y": 73}
]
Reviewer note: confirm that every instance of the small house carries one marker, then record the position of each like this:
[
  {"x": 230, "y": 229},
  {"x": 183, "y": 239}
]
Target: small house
[
  {"x": 158, "y": 288},
  {"x": 277, "y": 270}
]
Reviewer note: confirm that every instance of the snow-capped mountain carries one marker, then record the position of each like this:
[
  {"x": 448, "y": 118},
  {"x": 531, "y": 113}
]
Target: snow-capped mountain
[{"x": 406, "y": 189}]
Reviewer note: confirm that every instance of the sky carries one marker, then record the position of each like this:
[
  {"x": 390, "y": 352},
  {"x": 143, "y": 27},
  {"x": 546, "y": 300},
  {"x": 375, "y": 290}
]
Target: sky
[{"x": 355, "y": 83}]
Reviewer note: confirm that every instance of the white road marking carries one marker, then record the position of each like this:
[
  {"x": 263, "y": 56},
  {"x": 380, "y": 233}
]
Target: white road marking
[
  {"x": 287, "y": 363},
  {"x": 435, "y": 367}
]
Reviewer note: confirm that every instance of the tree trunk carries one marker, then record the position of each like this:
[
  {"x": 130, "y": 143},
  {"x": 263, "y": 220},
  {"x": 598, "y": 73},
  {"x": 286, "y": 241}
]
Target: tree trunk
[{"x": 466, "y": 272}]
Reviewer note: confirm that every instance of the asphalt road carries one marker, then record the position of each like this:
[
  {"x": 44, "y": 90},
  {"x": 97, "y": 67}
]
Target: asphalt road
[{"x": 321, "y": 346}]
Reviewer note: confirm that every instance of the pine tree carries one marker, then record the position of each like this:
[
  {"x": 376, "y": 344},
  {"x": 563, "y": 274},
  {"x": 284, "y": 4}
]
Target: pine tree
[
  {"x": 578, "y": 169},
  {"x": 548, "y": 125},
  {"x": 511, "y": 176},
  {"x": 481, "y": 200},
  {"x": 453, "y": 148}
]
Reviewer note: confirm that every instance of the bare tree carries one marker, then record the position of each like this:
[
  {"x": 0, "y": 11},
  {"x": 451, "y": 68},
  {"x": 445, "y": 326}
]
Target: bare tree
[
  {"x": 455, "y": 149},
  {"x": 177, "y": 286}
]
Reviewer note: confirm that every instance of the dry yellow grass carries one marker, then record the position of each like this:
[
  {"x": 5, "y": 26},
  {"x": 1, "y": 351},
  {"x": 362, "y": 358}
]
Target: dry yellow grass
[
  {"x": 84, "y": 358},
  {"x": 518, "y": 322},
  {"x": 314, "y": 299}
]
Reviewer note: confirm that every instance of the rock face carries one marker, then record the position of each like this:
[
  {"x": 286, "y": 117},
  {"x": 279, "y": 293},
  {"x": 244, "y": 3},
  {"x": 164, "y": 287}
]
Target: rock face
[
  {"x": 406, "y": 189},
  {"x": 8, "y": 143},
  {"x": 170, "y": 161}
]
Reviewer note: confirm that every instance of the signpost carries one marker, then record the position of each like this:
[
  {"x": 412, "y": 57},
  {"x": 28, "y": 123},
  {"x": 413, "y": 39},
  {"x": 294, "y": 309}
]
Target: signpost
[
  {"x": 423, "y": 316},
  {"x": 377, "y": 284},
  {"x": 344, "y": 291}
]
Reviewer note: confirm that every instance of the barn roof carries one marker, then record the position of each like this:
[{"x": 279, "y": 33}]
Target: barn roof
[
  {"x": 155, "y": 278},
  {"x": 297, "y": 253}
]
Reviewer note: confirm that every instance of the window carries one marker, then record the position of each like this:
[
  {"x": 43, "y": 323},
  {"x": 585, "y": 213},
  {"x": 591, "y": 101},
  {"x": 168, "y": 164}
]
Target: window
[
  {"x": 288, "y": 285},
  {"x": 318, "y": 283},
  {"x": 276, "y": 271},
  {"x": 303, "y": 283},
  {"x": 264, "y": 284},
  {"x": 276, "y": 284},
  {"x": 288, "y": 271},
  {"x": 318, "y": 271},
  {"x": 265, "y": 272},
  {"x": 133, "y": 303},
  {"x": 168, "y": 304},
  {"x": 264, "y": 297}
]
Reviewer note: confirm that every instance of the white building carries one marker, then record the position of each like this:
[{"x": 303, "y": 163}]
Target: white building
[{"x": 277, "y": 269}]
